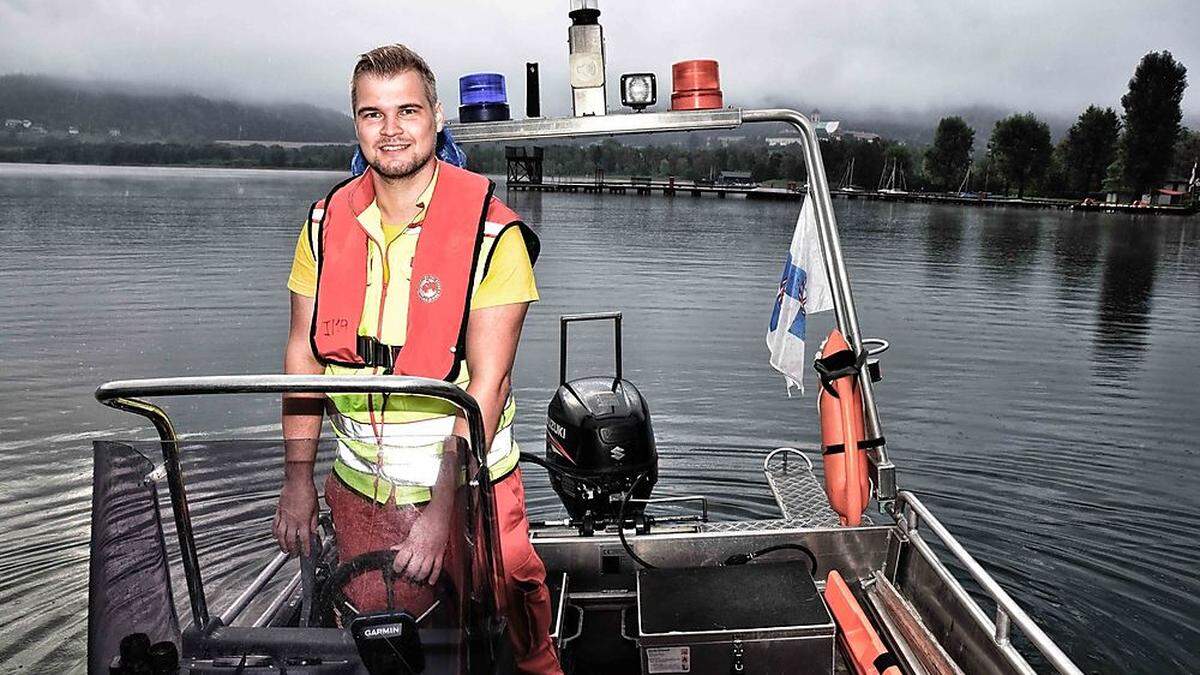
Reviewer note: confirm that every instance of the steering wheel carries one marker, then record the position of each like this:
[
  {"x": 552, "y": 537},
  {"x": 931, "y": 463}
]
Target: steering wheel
[{"x": 333, "y": 602}]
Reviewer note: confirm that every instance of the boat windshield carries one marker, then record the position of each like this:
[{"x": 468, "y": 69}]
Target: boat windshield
[{"x": 204, "y": 572}]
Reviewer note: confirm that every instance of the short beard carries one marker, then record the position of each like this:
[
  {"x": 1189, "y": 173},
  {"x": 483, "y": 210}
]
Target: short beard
[{"x": 403, "y": 170}]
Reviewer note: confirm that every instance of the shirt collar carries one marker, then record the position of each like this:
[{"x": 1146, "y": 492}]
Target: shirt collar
[{"x": 372, "y": 219}]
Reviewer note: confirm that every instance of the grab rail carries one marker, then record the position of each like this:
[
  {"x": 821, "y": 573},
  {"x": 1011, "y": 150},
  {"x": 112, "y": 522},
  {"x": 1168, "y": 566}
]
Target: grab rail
[
  {"x": 882, "y": 469},
  {"x": 123, "y": 395},
  {"x": 1007, "y": 609}
]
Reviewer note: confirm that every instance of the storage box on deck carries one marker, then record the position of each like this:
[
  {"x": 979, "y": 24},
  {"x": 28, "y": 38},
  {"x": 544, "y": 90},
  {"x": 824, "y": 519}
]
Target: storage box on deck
[{"x": 694, "y": 620}]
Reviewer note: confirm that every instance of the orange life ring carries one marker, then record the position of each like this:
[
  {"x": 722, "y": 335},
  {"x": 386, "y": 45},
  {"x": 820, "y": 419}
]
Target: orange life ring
[
  {"x": 861, "y": 643},
  {"x": 840, "y": 408}
]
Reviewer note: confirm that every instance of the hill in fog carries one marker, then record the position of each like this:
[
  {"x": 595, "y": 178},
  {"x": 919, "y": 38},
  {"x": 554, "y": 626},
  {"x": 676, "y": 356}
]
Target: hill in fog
[{"x": 94, "y": 109}]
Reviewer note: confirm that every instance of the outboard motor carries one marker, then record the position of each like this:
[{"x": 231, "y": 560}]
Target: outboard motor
[{"x": 599, "y": 442}]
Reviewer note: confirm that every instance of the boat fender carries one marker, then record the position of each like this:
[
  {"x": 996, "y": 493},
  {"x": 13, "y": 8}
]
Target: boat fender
[
  {"x": 840, "y": 408},
  {"x": 862, "y": 644}
]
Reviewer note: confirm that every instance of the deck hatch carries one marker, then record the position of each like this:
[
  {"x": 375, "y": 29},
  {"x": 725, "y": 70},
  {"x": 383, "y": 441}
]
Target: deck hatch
[{"x": 767, "y": 617}]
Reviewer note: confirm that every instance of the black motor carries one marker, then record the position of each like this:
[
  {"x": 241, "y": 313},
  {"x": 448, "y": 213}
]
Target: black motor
[{"x": 599, "y": 443}]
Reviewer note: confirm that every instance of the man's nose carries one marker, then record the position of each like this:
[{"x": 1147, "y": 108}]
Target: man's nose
[{"x": 391, "y": 125}]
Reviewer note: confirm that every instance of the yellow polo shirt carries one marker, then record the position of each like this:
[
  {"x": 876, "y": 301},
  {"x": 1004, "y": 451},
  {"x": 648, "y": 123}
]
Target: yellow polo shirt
[{"x": 509, "y": 277}]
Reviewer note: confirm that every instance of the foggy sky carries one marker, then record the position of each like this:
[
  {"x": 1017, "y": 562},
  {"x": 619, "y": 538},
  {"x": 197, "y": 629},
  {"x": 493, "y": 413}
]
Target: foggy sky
[{"x": 1049, "y": 56}]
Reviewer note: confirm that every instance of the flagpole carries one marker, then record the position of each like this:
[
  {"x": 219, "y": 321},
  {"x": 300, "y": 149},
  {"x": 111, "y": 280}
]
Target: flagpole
[{"x": 884, "y": 472}]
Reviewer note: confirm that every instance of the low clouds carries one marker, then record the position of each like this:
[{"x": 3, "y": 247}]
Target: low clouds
[{"x": 1052, "y": 57}]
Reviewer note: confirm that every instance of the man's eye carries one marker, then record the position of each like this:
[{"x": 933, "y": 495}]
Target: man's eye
[{"x": 408, "y": 111}]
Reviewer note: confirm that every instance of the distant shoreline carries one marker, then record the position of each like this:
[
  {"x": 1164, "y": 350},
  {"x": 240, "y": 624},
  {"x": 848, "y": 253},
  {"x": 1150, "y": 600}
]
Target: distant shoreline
[
  {"x": 329, "y": 156},
  {"x": 237, "y": 167}
]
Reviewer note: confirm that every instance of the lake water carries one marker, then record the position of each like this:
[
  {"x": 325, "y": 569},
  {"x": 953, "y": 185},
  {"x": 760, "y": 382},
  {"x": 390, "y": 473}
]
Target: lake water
[{"x": 1040, "y": 393}]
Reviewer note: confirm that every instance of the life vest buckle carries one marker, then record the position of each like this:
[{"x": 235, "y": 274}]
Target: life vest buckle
[{"x": 376, "y": 354}]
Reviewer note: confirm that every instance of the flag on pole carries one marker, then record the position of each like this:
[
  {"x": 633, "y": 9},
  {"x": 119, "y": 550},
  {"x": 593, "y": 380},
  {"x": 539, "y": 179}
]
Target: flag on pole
[{"x": 803, "y": 290}]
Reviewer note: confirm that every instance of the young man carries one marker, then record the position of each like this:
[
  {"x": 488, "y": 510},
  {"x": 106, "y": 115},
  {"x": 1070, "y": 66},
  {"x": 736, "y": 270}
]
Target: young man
[{"x": 422, "y": 272}]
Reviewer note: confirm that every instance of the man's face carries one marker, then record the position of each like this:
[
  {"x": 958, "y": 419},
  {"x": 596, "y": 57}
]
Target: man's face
[{"x": 396, "y": 125}]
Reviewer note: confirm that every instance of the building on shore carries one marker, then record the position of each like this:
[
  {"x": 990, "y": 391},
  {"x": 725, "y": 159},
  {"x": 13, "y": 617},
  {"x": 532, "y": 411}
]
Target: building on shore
[
  {"x": 736, "y": 179},
  {"x": 1171, "y": 192},
  {"x": 783, "y": 141}
]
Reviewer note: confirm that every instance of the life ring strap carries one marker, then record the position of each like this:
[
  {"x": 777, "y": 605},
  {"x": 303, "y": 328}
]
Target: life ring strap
[
  {"x": 886, "y": 660},
  {"x": 839, "y": 448},
  {"x": 844, "y": 363}
]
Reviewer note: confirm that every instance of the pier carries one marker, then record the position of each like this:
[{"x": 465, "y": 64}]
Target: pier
[
  {"x": 671, "y": 188},
  {"x": 668, "y": 188},
  {"x": 525, "y": 174}
]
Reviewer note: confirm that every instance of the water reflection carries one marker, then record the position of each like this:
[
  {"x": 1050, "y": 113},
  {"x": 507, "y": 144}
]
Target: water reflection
[
  {"x": 1076, "y": 252},
  {"x": 1008, "y": 246},
  {"x": 527, "y": 204},
  {"x": 943, "y": 243},
  {"x": 1126, "y": 294}
]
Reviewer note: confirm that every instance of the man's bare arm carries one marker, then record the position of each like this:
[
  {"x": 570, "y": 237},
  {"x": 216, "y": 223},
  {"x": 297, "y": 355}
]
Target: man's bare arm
[
  {"x": 492, "y": 336},
  {"x": 296, "y": 515}
]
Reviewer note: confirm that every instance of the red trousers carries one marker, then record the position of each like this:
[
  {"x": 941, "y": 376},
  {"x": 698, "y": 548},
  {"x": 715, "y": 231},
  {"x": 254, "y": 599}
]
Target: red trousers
[{"x": 363, "y": 525}]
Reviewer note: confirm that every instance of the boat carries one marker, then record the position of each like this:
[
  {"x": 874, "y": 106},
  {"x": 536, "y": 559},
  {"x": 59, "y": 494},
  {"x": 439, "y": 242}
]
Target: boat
[
  {"x": 846, "y": 182},
  {"x": 638, "y": 583},
  {"x": 892, "y": 182},
  {"x": 892, "y": 561}
]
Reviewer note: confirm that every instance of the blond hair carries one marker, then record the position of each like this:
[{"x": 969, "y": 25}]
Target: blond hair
[{"x": 390, "y": 61}]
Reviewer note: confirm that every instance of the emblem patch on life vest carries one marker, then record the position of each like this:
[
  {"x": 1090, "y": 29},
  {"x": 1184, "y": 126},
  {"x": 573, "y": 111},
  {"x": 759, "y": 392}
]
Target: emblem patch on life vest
[{"x": 429, "y": 289}]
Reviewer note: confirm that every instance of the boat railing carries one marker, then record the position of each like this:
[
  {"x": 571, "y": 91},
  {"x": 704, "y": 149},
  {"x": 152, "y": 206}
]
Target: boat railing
[
  {"x": 128, "y": 395},
  {"x": 911, "y": 516},
  {"x": 883, "y": 472}
]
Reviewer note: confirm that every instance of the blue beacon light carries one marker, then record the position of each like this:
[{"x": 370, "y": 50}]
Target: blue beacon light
[{"x": 482, "y": 98}]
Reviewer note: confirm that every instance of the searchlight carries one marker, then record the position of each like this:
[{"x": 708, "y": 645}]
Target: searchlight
[{"x": 639, "y": 90}]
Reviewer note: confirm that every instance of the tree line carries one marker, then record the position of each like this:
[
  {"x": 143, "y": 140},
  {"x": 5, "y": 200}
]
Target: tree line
[
  {"x": 1133, "y": 152},
  {"x": 181, "y": 154},
  {"x": 141, "y": 115},
  {"x": 1130, "y": 152},
  {"x": 1102, "y": 151}
]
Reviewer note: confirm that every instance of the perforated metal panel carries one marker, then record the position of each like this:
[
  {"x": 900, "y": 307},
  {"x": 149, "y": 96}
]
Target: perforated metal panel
[{"x": 800, "y": 496}]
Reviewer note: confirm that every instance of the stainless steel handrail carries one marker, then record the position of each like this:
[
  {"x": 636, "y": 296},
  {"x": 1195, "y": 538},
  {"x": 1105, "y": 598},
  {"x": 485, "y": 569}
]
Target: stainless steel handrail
[
  {"x": 843, "y": 297},
  {"x": 883, "y": 471},
  {"x": 600, "y": 125},
  {"x": 243, "y": 600},
  {"x": 123, "y": 395},
  {"x": 1007, "y": 609}
]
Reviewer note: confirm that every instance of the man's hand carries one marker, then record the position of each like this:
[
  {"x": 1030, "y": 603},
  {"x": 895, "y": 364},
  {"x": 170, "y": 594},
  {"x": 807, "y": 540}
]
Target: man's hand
[
  {"x": 419, "y": 557},
  {"x": 296, "y": 515}
]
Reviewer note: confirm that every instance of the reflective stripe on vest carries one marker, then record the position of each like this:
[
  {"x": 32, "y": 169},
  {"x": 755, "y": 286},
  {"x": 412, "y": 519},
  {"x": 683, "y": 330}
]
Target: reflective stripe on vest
[
  {"x": 405, "y": 472},
  {"x": 407, "y": 422}
]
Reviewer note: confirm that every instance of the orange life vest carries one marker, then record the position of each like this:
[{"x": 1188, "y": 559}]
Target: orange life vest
[{"x": 442, "y": 276}]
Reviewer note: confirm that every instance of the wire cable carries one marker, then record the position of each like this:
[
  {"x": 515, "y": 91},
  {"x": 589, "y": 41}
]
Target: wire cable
[
  {"x": 743, "y": 558},
  {"x": 621, "y": 524}
]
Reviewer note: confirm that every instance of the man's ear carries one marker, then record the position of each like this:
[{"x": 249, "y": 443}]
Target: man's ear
[{"x": 439, "y": 116}]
